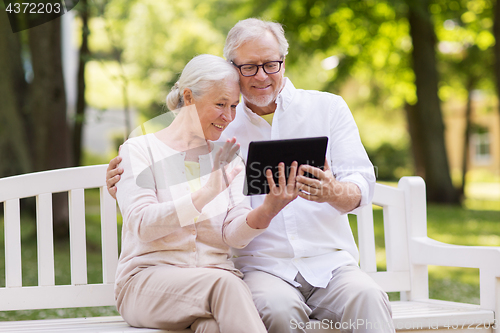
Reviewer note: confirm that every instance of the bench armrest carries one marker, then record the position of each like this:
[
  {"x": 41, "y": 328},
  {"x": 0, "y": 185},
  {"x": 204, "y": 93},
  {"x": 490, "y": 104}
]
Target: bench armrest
[{"x": 427, "y": 251}]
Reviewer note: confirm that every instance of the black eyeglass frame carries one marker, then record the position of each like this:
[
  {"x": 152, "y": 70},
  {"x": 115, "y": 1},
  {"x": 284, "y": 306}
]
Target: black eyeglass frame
[{"x": 257, "y": 66}]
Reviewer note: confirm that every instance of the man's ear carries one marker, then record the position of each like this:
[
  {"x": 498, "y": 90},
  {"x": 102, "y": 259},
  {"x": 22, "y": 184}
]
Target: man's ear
[{"x": 187, "y": 94}]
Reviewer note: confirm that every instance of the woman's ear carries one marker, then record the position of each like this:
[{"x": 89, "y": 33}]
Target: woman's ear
[{"x": 187, "y": 94}]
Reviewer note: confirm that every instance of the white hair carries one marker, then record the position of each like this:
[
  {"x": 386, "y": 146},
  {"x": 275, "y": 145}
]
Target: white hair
[
  {"x": 251, "y": 29},
  {"x": 200, "y": 75}
]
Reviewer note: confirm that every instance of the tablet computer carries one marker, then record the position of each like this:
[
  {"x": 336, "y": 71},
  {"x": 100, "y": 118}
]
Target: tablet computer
[{"x": 263, "y": 155}]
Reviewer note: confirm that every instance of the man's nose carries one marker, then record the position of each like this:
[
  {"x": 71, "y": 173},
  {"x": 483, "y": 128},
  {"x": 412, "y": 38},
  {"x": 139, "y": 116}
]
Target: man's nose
[{"x": 261, "y": 75}]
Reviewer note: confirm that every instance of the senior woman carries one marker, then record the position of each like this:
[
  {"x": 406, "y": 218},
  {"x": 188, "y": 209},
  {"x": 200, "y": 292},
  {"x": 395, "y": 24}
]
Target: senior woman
[{"x": 182, "y": 204}]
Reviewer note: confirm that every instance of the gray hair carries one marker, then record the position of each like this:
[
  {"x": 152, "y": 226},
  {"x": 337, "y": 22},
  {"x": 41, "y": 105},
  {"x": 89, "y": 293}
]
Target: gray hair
[
  {"x": 251, "y": 29},
  {"x": 200, "y": 74}
]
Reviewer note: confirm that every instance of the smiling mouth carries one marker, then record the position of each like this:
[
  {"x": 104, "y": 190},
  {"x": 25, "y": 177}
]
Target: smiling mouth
[
  {"x": 219, "y": 126},
  {"x": 262, "y": 88}
]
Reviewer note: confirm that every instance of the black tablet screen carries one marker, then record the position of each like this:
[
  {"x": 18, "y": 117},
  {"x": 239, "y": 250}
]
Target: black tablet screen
[{"x": 263, "y": 155}]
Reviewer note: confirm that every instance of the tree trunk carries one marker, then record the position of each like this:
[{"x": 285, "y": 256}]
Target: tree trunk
[
  {"x": 48, "y": 107},
  {"x": 80, "y": 103},
  {"x": 417, "y": 141},
  {"x": 15, "y": 156},
  {"x": 51, "y": 144},
  {"x": 428, "y": 117},
  {"x": 468, "y": 126}
]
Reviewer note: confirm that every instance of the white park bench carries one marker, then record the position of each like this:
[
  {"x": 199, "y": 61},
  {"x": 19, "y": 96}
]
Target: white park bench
[{"x": 408, "y": 253}]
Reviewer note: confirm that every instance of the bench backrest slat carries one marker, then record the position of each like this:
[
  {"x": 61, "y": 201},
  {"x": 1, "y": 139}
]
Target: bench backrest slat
[
  {"x": 13, "y": 266},
  {"x": 366, "y": 240},
  {"x": 396, "y": 237},
  {"x": 45, "y": 240},
  {"x": 109, "y": 238},
  {"x": 78, "y": 246}
]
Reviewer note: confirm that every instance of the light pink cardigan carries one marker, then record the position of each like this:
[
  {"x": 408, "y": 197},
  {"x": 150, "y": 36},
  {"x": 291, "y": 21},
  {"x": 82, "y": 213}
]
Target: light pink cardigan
[{"x": 159, "y": 216}]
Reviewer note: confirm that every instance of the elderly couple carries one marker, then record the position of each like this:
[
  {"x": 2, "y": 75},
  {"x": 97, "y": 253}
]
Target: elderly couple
[{"x": 198, "y": 253}]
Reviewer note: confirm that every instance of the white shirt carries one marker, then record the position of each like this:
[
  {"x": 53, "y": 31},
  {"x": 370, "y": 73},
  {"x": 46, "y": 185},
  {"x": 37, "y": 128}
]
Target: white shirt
[{"x": 307, "y": 237}]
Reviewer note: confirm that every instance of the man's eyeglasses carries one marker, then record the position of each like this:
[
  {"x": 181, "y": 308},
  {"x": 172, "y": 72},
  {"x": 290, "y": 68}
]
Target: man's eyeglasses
[{"x": 270, "y": 67}]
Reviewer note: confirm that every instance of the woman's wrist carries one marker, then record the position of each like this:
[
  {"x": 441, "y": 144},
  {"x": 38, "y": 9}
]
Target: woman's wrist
[
  {"x": 260, "y": 217},
  {"x": 202, "y": 197}
]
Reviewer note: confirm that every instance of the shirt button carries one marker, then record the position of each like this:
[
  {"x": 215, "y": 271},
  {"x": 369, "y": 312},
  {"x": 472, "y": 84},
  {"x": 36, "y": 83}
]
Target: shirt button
[{"x": 194, "y": 249}]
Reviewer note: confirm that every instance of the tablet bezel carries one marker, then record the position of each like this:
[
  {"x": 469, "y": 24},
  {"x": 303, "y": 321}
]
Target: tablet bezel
[{"x": 264, "y": 154}]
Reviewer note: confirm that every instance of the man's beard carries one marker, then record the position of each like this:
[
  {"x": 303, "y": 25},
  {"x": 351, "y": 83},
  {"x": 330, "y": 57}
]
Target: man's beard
[{"x": 262, "y": 100}]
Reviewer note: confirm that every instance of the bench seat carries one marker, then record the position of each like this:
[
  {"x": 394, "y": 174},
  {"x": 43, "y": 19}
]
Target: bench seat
[
  {"x": 433, "y": 314},
  {"x": 426, "y": 315},
  {"x": 68, "y": 325}
]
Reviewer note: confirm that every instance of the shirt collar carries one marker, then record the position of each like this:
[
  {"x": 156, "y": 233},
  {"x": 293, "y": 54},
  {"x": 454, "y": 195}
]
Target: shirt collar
[{"x": 285, "y": 97}]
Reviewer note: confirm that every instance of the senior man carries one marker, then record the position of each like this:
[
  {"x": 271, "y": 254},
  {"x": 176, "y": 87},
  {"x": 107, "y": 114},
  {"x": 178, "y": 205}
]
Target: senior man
[{"x": 305, "y": 265}]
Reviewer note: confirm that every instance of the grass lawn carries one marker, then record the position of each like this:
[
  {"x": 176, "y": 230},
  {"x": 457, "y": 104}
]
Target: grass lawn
[{"x": 454, "y": 225}]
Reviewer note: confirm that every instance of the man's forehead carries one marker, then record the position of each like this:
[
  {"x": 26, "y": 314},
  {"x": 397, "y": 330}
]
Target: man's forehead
[{"x": 265, "y": 49}]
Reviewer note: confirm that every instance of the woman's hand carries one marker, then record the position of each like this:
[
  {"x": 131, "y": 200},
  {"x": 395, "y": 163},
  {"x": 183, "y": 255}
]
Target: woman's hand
[
  {"x": 223, "y": 157},
  {"x": 277, "y": 198},
  {"x": 286, "y": 191},
  {"x": 221, "y": 177}
]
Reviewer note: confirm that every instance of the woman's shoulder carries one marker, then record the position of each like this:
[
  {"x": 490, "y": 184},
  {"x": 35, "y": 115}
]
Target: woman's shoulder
[
  {"x": 145, "y": 142},
  {"x": 138, "y": 141},
  {"x": 142, "y": 145}
]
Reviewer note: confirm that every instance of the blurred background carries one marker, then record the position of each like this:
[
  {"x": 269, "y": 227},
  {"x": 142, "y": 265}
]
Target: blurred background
[{"x": 421, "y": 77}]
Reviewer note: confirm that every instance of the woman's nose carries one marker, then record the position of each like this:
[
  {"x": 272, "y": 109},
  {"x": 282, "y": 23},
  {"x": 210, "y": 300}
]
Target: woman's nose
[{"x": 227, "y": 115}]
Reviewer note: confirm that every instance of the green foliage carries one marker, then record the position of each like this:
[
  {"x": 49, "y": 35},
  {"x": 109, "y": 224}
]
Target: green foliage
[
  {"x": 390, "y": 162},
  {"x": 369, "y": 38},
  {"x": 465, "y": 46},
  {"x": 147, "y": 43},
  {"x": 371, "y": 42},
  {"x": 359, "y": 49}
]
